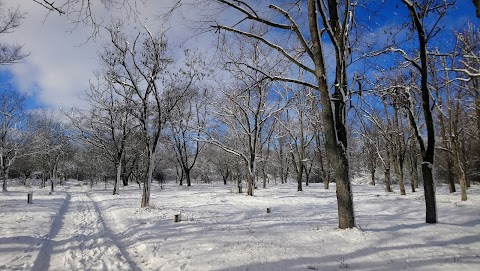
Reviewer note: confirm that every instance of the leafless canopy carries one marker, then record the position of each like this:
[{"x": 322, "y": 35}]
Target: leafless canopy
[{"x": 10, "y": 19}]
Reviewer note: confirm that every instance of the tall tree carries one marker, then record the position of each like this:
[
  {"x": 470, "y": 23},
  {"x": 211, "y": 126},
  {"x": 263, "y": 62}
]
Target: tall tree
[
  {"x": 299, "y": 130},
  {"x": 107, "y": 123},
  {"x": 137, "y": 72},
  {"x": 307, "y": 52},
  {"x": 425, "y": 16},
  {"x": 11, "y": 138},
  {"x": 52, "y": 140},
  {"x": 184, "y": 133}
]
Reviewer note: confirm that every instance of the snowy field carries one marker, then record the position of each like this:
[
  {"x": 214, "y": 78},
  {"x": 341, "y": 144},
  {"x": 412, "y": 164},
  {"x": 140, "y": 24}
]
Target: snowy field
[{"x": 79, "y": 228}]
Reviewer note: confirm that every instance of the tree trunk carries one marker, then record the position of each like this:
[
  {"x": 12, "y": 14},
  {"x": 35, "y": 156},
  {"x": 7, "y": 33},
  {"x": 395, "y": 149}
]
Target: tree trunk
[
  {"x": 372, "y": 174},
  {"x": 413, "y": 171},
  {"x": 462, "y": 156},
  {"x": 450, "y": 175},
  {"x": 388, "y": 178},
  {"x": 147, "y": 183},
  {"x": 346, "y": 216},
  {"x": 326, "y": 182},
  {"x": 388, "y": 186},
  {"x": 300, "y": 177},
  {"x": 401, "y": 179},
  {"x": 179, "y": 175},
  {"x": 116, "y": 185},
  {"x": 446, "y": 140},
  {"x": 307, "y": 174},
  {"x": 327, "y": 177},
  {"x": 225, "y": 176},
  {"x": 428, "y": 185},
  {"x": 463, "y": 183},
  {"x": 239, "y": 185},
  {"x": 333, "y": 116},
  {"x": 324, "y": 169},
  {"x": 250, "y": 184},
  {"x": 264, "y": 176},
  {"x": 428, "y": 152},
  {"x": 459, "y": 168},
  {"x": 187, "y": 176}
]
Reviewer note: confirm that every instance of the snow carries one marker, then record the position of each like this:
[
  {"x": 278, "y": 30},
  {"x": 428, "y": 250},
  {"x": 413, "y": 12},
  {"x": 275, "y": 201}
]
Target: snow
[{"x": 83, "y": 228}]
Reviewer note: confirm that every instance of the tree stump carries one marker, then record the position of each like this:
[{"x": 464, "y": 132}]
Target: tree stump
[
  {"x": 177, "y": 218},
  {"x": 30, "y": 198}
]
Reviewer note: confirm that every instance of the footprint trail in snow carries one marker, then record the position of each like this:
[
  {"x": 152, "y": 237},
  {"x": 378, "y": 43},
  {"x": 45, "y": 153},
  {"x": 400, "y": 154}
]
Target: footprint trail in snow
[{"x": 79, "y": 240}]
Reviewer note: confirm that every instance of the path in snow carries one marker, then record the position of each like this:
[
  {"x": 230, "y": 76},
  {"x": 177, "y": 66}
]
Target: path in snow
[{"x": 80, "y": 240}]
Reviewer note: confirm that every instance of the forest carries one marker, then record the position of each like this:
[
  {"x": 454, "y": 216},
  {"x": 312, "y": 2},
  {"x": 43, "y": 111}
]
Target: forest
[{"x": 307, "y": 92}]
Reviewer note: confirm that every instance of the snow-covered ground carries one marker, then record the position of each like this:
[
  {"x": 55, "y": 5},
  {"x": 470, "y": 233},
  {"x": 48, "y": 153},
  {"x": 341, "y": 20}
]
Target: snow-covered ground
[{"x": 79, "y": 228}]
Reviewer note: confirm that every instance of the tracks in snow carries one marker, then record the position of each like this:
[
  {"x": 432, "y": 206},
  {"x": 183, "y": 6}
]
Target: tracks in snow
[{"x": 80, "y": 240}]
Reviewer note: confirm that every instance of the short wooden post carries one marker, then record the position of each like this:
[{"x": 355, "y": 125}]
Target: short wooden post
[
  {"x": 177, "y": 218},
  {"x": 269, "y": 210},
  {"x": 30, "y": 198}
]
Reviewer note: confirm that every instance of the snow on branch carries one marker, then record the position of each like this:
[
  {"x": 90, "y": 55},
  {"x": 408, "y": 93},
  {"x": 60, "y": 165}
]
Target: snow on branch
[{"x": 406, "y": 57}]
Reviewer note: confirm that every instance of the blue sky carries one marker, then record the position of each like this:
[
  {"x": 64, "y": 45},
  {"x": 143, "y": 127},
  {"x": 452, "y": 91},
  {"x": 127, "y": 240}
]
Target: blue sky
[{"x": 60, "y": 65}]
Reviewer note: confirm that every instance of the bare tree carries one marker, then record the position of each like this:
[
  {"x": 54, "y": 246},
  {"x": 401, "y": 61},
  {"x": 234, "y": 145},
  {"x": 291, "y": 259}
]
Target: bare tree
[
  {"x": 247, "y": 107},
  {"x": 10, "y": 20},
  {"x": 137, "y": 72},
  {"x": 299, "y": 130},
  {"x": 52, "y": 141},
  {"x": 422, "y": 15},
  {"x": 107, "y": 123},
  {"x": 12, "y": 138},
  {"x": 245, "y": 111},
  {"x": 184, "y": 133},
  {"x": 308, "y": 47}
]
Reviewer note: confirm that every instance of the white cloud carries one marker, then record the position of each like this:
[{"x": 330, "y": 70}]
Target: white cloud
[
  {"x": 58, "y": 68},
  {"x": 61, "y": 61}
]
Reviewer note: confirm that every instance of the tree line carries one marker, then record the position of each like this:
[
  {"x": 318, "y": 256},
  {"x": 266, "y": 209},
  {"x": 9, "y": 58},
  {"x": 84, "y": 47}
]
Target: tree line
[{"x": 313, "y": 90}]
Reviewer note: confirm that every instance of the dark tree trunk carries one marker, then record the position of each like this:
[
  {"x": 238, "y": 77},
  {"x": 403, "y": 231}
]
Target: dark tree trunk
[
  {"x": 428, "y": 186},
  {"x": 388, "y": 177},
  {"x": 299, "y": 179},
  {"x": 450, "y": 175},
  {"x": 308, "y": 171},
  {"x": 251, "y": 175},
  {"x": 414, "y": 166},
  {"x": 117, "y": 179},
  {"x": 401, "y": 179},
  {"x": 388, "y": 186},
  {"x": 372, "y": 174},
  {"x": 225, "y": 176},
  {"x": 334, "y": 118},
  {"x": 428, "y": 152},
  {"x": 187, "y": 176},
  {"x": 147, "y": 184},
  {"x": 239, "y": 184}
]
